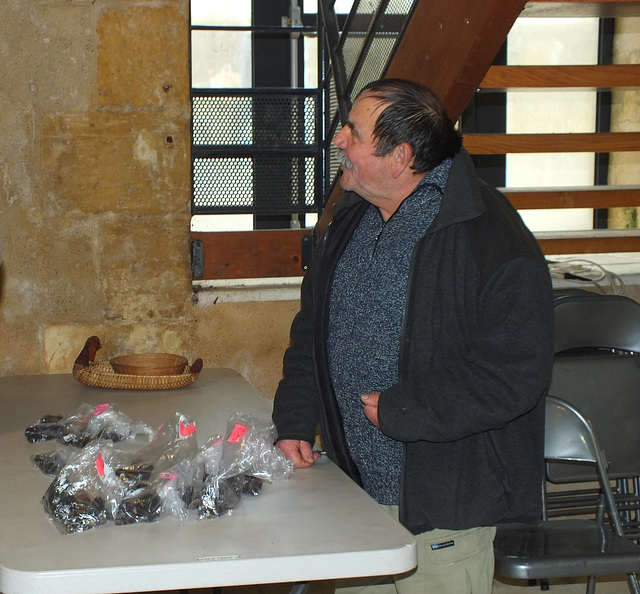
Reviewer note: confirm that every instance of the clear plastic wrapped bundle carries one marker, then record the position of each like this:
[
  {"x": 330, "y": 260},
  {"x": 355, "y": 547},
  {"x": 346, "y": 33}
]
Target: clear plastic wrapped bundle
[
  {"x": 168, "y": 476},
  {"x": 88, "y": 423},
  {"x": 218, "y": 492},
  {"x": 142, "y": 504},
  {"x": 86, "y": 492},
  {"x": 107, "y": 422},
  {"x": 51, "y": 463},
  {"x": 249, "y": 449},
  {"x": 146, "y": 472},
  {"x": 247, "y": 457}
]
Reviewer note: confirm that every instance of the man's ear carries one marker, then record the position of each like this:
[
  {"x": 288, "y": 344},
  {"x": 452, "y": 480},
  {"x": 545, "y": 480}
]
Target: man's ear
[{"x": 402, "y": 158}]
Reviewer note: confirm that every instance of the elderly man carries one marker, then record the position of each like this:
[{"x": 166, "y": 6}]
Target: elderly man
[{"x": 423, "y": 346}]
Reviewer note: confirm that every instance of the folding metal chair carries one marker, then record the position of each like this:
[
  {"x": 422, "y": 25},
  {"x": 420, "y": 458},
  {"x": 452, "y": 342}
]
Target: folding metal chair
[
  {"x": 606, "y": 389},
  {"x": 571, "y": 547},
  {"x": 597, "y": 368},
  {"x": 586, "y": 320}
]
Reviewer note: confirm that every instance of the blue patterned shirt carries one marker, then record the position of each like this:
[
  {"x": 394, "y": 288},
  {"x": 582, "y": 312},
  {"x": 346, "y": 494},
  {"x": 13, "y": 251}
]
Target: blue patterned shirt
[{"x": 366, "y": 312}]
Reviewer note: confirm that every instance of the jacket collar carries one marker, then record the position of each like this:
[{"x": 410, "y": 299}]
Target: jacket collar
[{"x": 462, "y": 199}]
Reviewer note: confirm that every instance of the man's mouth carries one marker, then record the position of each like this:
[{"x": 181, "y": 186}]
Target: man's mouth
[{"x": 343, "y": 159}]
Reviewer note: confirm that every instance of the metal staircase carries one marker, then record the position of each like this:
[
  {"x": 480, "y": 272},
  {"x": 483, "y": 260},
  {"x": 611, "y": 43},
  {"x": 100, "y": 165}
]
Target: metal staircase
[{"x": 451, "y": 48}]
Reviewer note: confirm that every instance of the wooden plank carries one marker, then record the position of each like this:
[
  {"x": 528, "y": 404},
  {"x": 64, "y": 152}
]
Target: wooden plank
[
  {"x": 502, "y": 144},
  {"x": 252, "y": 254},
  {"x": 449, "y": 46},
  {"x": 592, "y": 77},
  {"x": 584, "y": 197},
  {"x": 590, "y": 245},
  {"x": 571, "y": 8}
]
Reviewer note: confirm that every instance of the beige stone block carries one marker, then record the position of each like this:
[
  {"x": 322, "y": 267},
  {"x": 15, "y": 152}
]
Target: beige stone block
[
  {"x": 250, "y": 337},
  {"x": 50, "y": 271},
  {"x": 624, "y": 169},
  {"x": 102, "y": 162},
  {"x": 626, "y": 41},
  {"x": 623, "y": 218},
  {"x": 64, "y": 342},
  {"x": 625, "y": 111},
  {"x": 145, "y": 268},
  {"x": 20, "y": 348},
  {"x": 143, "y": 57},
  {"x": 47, "y": 54}
]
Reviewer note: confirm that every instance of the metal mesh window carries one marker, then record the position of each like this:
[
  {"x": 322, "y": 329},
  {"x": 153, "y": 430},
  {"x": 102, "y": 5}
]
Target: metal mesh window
[
  {"x": 227, "y": 120},
  {"x": 267, "y": 150},
  {"x": 222, "y": 184},
  {"x": 366, "y": 46},
  {"x": 256, "y": 151}
]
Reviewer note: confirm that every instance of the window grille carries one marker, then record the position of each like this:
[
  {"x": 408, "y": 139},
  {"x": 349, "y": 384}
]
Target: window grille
[{"x": 257, "y": 151}]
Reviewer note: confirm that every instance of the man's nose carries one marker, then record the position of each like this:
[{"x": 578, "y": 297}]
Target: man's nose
[{"x": 339, "y": 139}]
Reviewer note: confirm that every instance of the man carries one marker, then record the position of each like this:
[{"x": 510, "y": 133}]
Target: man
[{"x": 423, "y": 346}]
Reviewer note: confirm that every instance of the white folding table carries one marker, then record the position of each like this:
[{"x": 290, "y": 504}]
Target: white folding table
[{"x": 317, "y": 525}]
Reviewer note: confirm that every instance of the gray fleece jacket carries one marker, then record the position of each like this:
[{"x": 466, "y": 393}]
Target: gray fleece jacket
[{"x": 475, "y": 361}]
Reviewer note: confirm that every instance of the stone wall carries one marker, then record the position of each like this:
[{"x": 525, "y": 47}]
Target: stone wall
[
  {"x": 624, "y": 168},
  {"x": 95, "y": 194},
  {"x": 94, "y": 199}
]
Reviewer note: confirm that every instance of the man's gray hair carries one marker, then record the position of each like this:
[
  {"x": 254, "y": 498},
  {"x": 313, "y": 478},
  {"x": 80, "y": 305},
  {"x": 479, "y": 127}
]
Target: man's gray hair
[{"x": 414, "y": 115}]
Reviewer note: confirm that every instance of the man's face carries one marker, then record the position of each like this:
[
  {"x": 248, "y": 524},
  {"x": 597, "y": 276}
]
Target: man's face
[{"x": 362, "y": 171}]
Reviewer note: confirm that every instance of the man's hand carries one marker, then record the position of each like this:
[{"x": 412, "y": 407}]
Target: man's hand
[
  {"x": 370, "y": 402},
  {"x": 299, "y": 451}
]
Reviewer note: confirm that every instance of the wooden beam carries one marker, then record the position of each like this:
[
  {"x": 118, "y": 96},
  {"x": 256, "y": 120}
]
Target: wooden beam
[
  {"x": 604, "y": 9},
  {"x": 502, "y": 144},
  {"x": 585, "y": 197},
  {"x": 449, "y": 46},
  {"x": 503, "y": 78},
  {"x": 590, "y": 245},
  {"x": 252, "y": 254}
]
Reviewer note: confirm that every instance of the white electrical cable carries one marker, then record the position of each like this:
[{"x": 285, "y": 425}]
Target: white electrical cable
[{"x": 581, "y": 271}]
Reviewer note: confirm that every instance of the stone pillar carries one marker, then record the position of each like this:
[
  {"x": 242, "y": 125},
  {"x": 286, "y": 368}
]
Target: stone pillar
[{"x": 624, "y": 168}]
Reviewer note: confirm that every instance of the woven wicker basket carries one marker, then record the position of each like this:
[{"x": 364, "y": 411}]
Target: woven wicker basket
[
  {"x": 102, "y": 375},
  {"x": 149, "y": 364},
  {"x": 154, "y": 371}
]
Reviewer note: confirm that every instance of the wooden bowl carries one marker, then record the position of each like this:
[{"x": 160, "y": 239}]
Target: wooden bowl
[{"x": 149, "y": 364}]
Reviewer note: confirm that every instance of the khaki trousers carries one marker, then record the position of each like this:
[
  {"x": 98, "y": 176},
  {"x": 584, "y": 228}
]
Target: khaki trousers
[{"x": 449, "y": 562}]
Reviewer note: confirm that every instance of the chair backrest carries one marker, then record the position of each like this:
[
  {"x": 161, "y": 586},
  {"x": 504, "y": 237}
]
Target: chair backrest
[
  {"x": 589, "y": 320},
  {"x": 568, "y": 435},
  {"x": 606, "y": 390}
]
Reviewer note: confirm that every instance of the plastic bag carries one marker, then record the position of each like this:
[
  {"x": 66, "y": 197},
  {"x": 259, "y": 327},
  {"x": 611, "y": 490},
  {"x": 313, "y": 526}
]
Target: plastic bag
[
  {"x": 141, "y": 504},
  {"x": 51, "y": 463},
  {"x": 153, "y": 474},
  {"x": 217, "y": 493},
  {"x": 247, "y": 457},
  {"x": 163, "y": 496},
  {"x": 249, "y": 449},
  {"x": 86, "y": 492},
  {"x": 193, "y": 475},
  {"x": 106, "y": 422},
  {"x": 88, "y": 423},
  {"x": 172, "y": 488},
  {"x": 174, "y": 442},
  {"x": 46, "y": 428}
]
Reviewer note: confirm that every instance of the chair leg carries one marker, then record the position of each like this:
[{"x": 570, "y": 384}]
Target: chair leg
[
  {"x": 632, "y": 580},
  {"x": 591, "y": 584}
]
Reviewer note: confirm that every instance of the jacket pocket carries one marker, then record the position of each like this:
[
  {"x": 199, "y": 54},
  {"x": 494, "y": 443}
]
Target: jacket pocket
[{"x": 496, "y": 463}]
